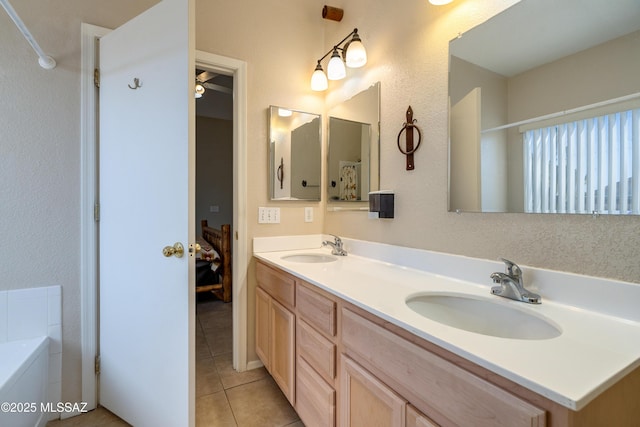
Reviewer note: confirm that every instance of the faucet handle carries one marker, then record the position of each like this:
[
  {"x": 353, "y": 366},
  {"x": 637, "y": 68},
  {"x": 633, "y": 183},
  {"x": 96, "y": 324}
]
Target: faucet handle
[
  {"x": 511, "y": 268},
  {"x": 337, "y": 239}
]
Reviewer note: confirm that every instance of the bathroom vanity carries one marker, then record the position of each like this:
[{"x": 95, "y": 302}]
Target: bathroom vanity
[{"x": 337, "y": 336}]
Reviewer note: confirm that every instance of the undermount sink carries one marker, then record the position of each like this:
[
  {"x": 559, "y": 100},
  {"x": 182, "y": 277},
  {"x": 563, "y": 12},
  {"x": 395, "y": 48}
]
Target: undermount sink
[
  {"x": 309, "y": 258},
  {"x": 482, "y": 316}
]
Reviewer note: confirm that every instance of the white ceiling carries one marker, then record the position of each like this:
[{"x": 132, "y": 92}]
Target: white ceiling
[{"x": 535, "y": 32}]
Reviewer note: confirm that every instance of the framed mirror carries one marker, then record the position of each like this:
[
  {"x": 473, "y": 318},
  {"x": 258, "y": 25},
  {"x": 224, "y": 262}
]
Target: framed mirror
[
  {"x": 353, "y": 159},
  {"x": 295, "y": 159},
  {"x": 544, "y": 110}
]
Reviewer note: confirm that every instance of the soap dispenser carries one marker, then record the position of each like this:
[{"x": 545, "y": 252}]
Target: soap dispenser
[{"x": 381, "y": 204}]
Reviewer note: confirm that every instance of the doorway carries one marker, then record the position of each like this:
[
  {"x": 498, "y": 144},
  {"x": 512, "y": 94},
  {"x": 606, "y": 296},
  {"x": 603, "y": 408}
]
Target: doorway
[{"x": 90, "y": 212}]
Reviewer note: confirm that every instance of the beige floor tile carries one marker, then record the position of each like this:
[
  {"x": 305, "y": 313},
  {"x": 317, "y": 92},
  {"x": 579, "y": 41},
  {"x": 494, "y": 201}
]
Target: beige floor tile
[
  {"x": 230, "y": 377},
  {"x": 207, "y": 378},
  {"x": 202, "y": 348},
  {"x": 216, "y": 320},
  {"x": 220, "y": 341},
  {"x": 214, "y": 410},
  {"x": 260, "y": 404},
  {"x": 99, "y": 417}
]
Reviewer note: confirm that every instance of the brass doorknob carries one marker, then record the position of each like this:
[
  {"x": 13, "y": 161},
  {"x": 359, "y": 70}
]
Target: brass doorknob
[{"x": 176, "y": 250}]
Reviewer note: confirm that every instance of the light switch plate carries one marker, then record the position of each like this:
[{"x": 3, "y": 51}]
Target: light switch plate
[
  {"x": 262, "y": 215},
  {"x": 308, "y": 214},
  {"x": 268, "y": 215}
]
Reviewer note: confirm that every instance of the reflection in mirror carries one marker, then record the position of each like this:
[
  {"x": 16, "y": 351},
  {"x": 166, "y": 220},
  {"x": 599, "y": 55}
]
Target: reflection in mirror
[
  {"x": 348, "y": 173},
  {"x": 354, "y": 148},
  {"x": 546, "y": 119},
  {"x": 294, "y": 155}
]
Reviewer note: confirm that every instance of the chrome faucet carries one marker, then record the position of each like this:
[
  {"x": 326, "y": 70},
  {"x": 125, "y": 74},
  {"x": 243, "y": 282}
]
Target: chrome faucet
[
  {"x": 336, "y": 246},
  {"x": 511, "y": 284}
]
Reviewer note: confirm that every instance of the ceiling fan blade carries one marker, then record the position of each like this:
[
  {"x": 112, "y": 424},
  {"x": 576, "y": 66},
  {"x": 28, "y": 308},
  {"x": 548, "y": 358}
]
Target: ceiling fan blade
[
  {"x": 217, "y": 88},
  {"x": 206, "y": 76}
]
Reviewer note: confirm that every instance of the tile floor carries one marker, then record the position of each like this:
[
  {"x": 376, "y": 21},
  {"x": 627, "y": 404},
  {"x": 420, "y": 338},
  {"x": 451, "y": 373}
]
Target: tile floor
[{"x": 224, "y": 397}]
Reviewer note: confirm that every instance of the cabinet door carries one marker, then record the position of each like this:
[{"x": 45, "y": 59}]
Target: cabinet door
[
  {"x": 283, "y": 333},
  {"x": 263, "y": 327},
  {"x": 367, "y": 402}
]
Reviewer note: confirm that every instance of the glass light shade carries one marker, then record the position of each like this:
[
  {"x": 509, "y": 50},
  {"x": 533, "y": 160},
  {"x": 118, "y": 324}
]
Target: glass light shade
[
  {"x": 440, "y": 2},
  {"x": 356, "y": 53},
  {"x": 283, "y": 112},
  {"x": 336, "y": 69},
  {"x": 199, "y": 90},
  {"x": 319, "y": 79}
]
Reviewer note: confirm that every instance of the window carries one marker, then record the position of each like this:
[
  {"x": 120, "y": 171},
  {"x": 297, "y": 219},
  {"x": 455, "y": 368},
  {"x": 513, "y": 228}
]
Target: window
[{"x": 585, "y": 166}]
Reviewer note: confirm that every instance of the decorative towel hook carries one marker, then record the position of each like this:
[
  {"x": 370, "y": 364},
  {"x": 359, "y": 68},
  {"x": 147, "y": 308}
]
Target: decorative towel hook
[
  {"x": 280, "y": 172},
  {"x": 136, "y": 84},
  {"x": 409, "y": 148}
]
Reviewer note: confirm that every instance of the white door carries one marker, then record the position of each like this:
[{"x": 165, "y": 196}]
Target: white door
[{"x": 146, "y": 150}]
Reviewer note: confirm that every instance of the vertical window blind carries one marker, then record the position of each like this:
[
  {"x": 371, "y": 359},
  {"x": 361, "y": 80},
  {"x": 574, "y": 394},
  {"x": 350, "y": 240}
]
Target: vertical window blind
[{"x": 585, "y": 166}]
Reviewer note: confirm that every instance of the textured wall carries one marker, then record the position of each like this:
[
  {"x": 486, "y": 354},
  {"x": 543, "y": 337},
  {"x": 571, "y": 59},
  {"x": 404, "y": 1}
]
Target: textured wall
[{"x": 408, "y": 48}]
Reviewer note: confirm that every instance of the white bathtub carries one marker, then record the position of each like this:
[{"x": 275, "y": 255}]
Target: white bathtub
[{"x": 24, "y": 369}]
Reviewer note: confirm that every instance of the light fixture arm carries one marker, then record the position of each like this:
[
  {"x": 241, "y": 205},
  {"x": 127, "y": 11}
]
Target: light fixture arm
[
  {"x": 354, "y": 57},
  {"x": 337, "y": 46}
]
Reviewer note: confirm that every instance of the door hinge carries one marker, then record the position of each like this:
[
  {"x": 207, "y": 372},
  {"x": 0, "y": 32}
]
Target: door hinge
[
  {"x": 96, "y": 77},
  {"x": 96, "y": 212},
  {"x": 97, "y": 364}
]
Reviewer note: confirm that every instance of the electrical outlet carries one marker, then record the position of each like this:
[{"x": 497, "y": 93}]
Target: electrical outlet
[{"x": 308, "y": 214}]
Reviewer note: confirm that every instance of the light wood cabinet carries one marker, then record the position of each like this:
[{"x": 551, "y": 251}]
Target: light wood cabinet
[
  {"x": 316, "y": 349},
  {"x": 442, "y": 390},
  {"x": 339, "y": 364},
  {"x": 283, "y": 349},
  {"x": 318, "y": 310},
  {"x": 417, "y": 419},
  {"x": 276, "y": 327},
  {"x": 367, "y": 402},
  {"x": 263, "y": 327}
]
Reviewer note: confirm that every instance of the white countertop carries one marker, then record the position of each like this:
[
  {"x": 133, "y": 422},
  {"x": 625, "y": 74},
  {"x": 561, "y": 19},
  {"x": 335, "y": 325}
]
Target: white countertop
[{"x": 597, "y": 347}]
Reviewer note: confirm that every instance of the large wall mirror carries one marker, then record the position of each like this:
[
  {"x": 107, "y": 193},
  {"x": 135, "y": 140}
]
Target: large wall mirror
[
  {"x": 353, "y": 160},
  {"x": 295, "y": 159},
  {"x": 545, "y": 110}
]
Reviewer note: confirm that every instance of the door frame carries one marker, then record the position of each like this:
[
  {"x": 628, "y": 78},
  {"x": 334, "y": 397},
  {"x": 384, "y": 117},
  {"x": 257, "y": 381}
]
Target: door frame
[{"x": 89, "y": 215}]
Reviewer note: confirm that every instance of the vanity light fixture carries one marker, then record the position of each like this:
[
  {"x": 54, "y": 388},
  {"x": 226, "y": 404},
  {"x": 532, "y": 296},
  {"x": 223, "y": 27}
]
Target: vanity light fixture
[
  {"x": 440, "y": 2},
  {"x": 353, "y": 54}
]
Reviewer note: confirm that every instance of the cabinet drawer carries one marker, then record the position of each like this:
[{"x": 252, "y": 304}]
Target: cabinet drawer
[
  {"x": 316, "y": 402},
  {"x": 416, "y": 419},
  {"x": 317, "y": 350},
  {"x": 317, "y": 310},
  {"x": 280, "y": 286},
  {"x": 449, "y": 394}
]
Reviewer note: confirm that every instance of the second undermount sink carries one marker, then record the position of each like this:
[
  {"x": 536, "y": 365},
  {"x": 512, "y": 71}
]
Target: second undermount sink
[
  {"x": 482, "y": 316},
  {"x": 310, "y": 258}
]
